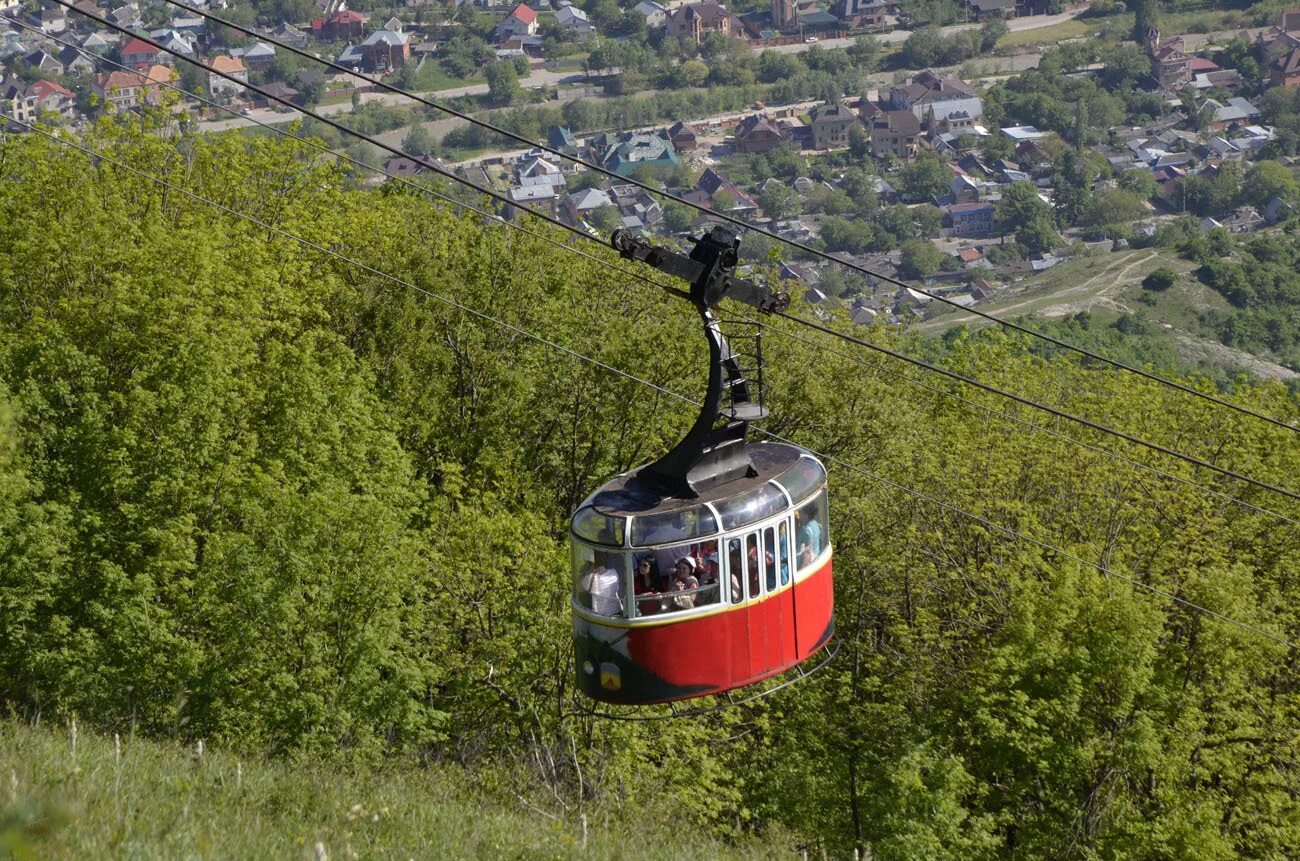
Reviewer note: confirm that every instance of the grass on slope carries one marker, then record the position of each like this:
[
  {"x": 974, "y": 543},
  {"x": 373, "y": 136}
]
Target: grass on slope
[{"x": 149, "y": 799}]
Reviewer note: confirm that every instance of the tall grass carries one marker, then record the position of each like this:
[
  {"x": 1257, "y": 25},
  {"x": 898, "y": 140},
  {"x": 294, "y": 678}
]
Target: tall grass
[{"x": 69, "y": 793}]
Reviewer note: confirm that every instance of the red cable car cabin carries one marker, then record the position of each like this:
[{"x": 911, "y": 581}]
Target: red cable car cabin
[
  {"x": 759, "y": 603},
  {"x": 709, "y": 569}
]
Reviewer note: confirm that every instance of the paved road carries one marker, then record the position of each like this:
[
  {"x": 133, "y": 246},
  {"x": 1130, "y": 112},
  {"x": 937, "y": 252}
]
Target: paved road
[{"x": 1032, "y": 22}]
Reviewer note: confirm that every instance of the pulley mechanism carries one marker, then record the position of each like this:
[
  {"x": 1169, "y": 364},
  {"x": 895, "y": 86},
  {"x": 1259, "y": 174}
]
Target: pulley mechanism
[{"x": 713, "y": 451}]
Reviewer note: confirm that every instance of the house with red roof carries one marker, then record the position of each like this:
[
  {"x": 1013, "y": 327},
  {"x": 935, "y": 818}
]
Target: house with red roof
[
  {"x": 522, "y": 21},
  {"x": 121, "y": 90},
  {"x": 341, "y": 26},
  {"x": 137, "y": 53},
  {"x": 219, "y": 85},
  {"x": 53, "y": 98}
]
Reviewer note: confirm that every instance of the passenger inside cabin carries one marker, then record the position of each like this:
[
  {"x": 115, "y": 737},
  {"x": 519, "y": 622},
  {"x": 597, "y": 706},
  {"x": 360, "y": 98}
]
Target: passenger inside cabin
[
  {"x": 734, "y": 566},
  {"x": 684, "y": 580},
  {"x": 648, "y": 587},
  {"x": 602, "y": 583},
  {"x": 809, "y": 535}
]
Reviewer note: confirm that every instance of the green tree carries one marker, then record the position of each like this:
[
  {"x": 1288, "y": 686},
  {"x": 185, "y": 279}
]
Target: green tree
[
  {"x": 1266, "y": 180},
  {"x": 503, "y": 82},
  {"x": 779, "y": 201},
  {"x": 864, "y": 53},
  {"x": 925, "y": 178},
  {"x": 418, "y": 141},
  {"x": 920, "y": 259},
  {"x": 990, "y": 32},
  {"x": 1160, "y": 279},
  {"x": 1115, "y": 206}
]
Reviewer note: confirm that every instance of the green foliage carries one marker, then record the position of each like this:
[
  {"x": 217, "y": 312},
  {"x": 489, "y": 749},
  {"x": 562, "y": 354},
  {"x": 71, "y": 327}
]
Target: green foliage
[
  {"x": 254, "y": 495},
  {"x": 779, "y": 201},
  {"x": 503, "y": 82},
  {"x": 920, "y": 259},
  {"x": 1160, "y": 279},
  {"x": 925, "y": 178}
]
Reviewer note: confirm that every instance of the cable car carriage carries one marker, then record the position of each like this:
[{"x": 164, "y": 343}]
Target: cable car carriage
[{"x": 709, "y": 569}]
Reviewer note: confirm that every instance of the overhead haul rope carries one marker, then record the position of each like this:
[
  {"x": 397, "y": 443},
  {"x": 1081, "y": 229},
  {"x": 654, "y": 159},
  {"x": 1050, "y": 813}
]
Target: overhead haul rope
[
  {"x": 1005, "y": 530},
  {"x": 557, "y": 222},
  {"x": 878, "y": 367},
  {"x": 802, "y": 246}
]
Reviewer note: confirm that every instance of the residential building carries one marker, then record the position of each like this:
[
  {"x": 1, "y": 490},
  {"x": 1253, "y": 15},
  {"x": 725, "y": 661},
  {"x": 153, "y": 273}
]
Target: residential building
[
  {"x": 385, "y": 50},
  {"x": 17, "y": 101},
  {"x": 137, "y": 53},
  {"x": 342, "y": 26},
  {"x": 1171, "y": 66},
  {"x": 1285, "y": 70},
  {"x": 894, "y": 134},
  {"x": 119, "y": 90},
  {"x": 638, "y": 150},
  {"x": 290, "y": 35},
  {"x": 655, "y": 14},
  {"x": 258, "y": 56},
  {"x": 75, "y": 63},
  {"x": 695, "y": 23},
  {"x": 561, "y": 138},
  {"x": 520, "y": 21},
  {"x": 983, "y": 10},
  {"x": 43, "y": 61},
  {"x": 970, "y": 219},
  {"x": 683, "y": 137},
  {"x": 575, "y": 22},
  {"x": 864, "y": 13},
  {"x": 53, "y": 98},
  {"x": 219, "y": 86},
  {"x": 941, "y": 103},
  {"x": 757, "y": 134},
  {"x": 831, "y": 124}
]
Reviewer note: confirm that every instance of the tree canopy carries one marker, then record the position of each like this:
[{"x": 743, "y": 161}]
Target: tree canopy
[{"x": 253, "y": 492}]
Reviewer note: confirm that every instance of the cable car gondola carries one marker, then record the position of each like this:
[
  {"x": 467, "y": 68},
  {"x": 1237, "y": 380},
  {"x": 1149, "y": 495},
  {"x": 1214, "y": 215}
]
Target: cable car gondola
[{"x": 709, "y": 569}]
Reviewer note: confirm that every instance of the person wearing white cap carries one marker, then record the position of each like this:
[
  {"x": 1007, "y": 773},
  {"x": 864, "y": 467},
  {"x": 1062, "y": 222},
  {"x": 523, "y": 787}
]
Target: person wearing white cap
[{"x": 683, "y": 581}]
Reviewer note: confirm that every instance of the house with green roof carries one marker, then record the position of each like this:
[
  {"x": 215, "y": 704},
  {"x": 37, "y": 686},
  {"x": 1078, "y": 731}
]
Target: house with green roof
[{"x": 639, "y": 149}]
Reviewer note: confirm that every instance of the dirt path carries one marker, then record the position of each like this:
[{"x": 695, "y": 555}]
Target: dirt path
[{"x": 1113, "y": 275}]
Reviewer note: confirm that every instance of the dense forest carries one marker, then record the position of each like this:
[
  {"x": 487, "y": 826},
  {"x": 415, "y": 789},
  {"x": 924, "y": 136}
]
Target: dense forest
[{"x": 255, "y": 494}]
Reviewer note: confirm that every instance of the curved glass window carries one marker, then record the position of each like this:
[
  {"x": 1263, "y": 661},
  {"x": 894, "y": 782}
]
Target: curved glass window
[
  {"x": 673, "y": 526},
  {"x": 811, "y": 534},
  {"x": 735, "y": 570},
  {"x": 676, "y": 578},
  {"x": 802, "y": 479},
  {"x": 599, "y": 581},
  {"x": 590, "y": 524},
  {"x": 751, "y": 506}
]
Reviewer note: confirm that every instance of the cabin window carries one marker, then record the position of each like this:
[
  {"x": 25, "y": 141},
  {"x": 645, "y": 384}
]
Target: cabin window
[
  {"x": 783, "y": 543},
  {"x": 673, "y": 526},
  {"x": 750, "y": 507},
  {"x": 676, "y": 578},
  {"x": 590, "y": 524},
  {"x": 769, "y": 557},
  {"x": 735, "y": 571},
  {"x": 599, "y": 579},
  {"x": 752, "y": 568},
  {"x": 810, "y": 530},
  {"x": 802, "y": 479}
]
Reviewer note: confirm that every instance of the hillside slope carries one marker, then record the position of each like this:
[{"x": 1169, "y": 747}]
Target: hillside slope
[
  {"x": 101, "y": 797},
  {"x": 311, "y": 506}
]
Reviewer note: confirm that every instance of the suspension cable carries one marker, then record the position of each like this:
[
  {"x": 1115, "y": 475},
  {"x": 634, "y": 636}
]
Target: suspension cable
[
  {"x": 1008, "y": 531},
  {"x": 876, "y": 366},
  {"x": 802, "y": 246},
  {"x": 557, "y": 222}
]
